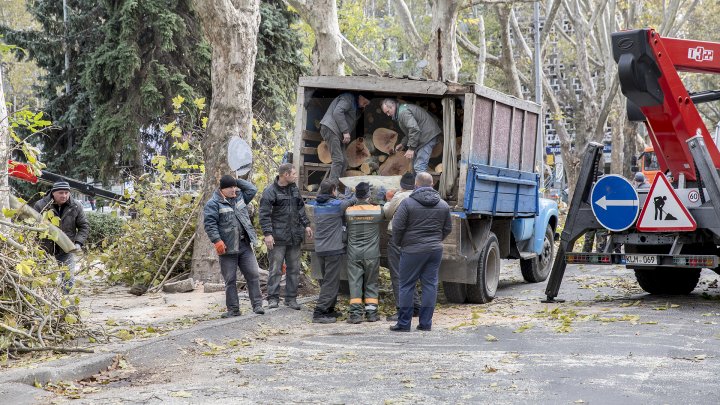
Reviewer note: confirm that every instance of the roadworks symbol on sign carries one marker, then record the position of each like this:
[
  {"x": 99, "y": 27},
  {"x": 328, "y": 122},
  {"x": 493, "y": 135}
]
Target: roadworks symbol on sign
[{"x": 663, "y": 210}]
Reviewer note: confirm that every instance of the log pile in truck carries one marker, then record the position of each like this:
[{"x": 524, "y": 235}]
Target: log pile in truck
[{"x": 485, "y": 168}]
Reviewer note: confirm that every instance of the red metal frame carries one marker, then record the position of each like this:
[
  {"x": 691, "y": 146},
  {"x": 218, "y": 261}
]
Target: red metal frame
[
  {"x": 673, "y": 122},
  {"x": 21, "y": 171}
]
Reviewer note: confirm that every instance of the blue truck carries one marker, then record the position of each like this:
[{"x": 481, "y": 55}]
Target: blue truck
[{"x": 486, "y": 168}]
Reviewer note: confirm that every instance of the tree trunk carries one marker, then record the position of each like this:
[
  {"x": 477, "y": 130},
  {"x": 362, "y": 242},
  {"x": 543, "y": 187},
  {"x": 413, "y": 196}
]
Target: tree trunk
[
  {"x": 322, "y": 17},
  {"x": 4, "y": 149},
  {"x": 508, "y": 60},
  {"x": 231, "y": 28},
  {"x": 444, "y": 57}
]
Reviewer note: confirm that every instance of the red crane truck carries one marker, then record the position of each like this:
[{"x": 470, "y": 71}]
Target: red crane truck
[{"x": 675, "y": 231}]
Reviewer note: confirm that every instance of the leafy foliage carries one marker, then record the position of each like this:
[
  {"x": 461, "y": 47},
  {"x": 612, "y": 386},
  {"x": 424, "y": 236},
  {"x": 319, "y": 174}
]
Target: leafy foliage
[
  {"x": 165, "y": 206},
  {"x": 127, "y": 59},
  {"x": 104, "y": 229}
]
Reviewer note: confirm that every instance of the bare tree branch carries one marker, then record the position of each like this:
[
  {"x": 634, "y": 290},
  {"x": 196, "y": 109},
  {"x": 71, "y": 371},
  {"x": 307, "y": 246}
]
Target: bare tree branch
[
  {"x": 471, "y": 3},
  {"x": 519, "y": 34},
  {"x": 358, "y": 62},
  {"x": 508, "y": 60},
  {"x": 415, "y": 40}
]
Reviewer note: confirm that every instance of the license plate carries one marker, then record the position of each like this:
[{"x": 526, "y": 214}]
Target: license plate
[{"x": 640, "y": 259}]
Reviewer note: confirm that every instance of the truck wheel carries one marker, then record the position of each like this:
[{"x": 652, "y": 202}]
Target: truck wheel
[
  {"x": 538, "y": 268},
  {"x": 455, "y": 292},
  {"x": 667, "y": 281},
  {"x": 488, "y": 276}
]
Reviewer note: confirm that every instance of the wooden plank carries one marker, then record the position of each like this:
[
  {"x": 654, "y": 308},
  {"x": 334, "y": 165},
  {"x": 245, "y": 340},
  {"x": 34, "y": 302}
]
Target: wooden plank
[
  {"x": 376, "y": 84},
  {"x": 467, "y": 135},
  {"x": 321, "y": 165},
  {"x": 299, "y": 126},
  {"x": 495, "y": 95},
  {"x": 311, "y": 136},
  {"x": 308, "y": 151}
]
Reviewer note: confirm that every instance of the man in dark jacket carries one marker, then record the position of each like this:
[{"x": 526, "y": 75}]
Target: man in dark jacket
[
  {"x": 228, "y": 225},
  {"x": 421, "y": 131},
  {"x": 284, "y": 221},
  {"x": 73, "y": 223},
  {"x": 420, "y": 224},
  {"x": 337, "y": 124},
  {"x": 363, "y": 228},
  {"x": 407, "y": 185},
  {"x": 329, "y": 248}
]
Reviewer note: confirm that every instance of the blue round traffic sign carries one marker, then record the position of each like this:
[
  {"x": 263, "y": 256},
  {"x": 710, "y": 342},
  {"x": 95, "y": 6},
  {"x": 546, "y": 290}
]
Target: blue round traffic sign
[{"x": 614, "y": 202}]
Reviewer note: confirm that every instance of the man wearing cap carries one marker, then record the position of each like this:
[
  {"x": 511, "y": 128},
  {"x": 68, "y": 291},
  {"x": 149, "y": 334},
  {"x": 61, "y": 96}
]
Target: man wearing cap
[
  {"x": 421, "y": 130},
  {"x": 228, "y": 225},
  {"x": 72, "y": 222},
  {"x": 336, "y": 126},
  {"x": 407, "y": 184},
  {"x": 640, "y": 182},
  {"x": 420, "y": 224},
  {"x": 363, "y": 251},
  {"x": 329, "y": 213}
]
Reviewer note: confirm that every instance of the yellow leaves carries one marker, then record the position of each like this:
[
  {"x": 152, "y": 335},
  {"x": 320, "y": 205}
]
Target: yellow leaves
[
  {"x": 177, "y": 102},
  {"x": 8, "y": 213},
  {"x": 491, "y": 338},
  {"x": 277, "y": 126},
  {"x": 168, "y": 177},
  {"x": 71, "y": 319},
  {"x": 204, "y": 121},
  {"x": 199, "y": 103},
  {"x": 25, "y": 267},
  {"x": 181, "y": 394}
]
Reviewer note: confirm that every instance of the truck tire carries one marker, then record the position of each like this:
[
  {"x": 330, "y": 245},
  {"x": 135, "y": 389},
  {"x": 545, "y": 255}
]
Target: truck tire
[
  {"x": 538, "y": 268},
  {"x": 455, "y": 292},
  {"x": 488, "y": 277},
  {"x": 667, "y": 281}
]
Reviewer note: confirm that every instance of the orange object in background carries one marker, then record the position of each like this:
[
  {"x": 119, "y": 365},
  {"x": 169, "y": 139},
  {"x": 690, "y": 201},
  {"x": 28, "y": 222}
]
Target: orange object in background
[{"x": 648, "y": 164}]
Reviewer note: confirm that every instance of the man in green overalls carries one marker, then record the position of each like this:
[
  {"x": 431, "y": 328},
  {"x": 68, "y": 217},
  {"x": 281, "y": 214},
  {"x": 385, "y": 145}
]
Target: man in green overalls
[{"x": 363, "y": 255}]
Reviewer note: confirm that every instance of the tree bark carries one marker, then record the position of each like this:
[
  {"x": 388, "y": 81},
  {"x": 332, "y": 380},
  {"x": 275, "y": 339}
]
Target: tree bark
[
  {"x": 508, "y": 60},
  {"x": 232, "y": 29},
  {"x": 322, "y": 17},
  {"x": 444, "y": 57},
  {"x": 4, "y": 149}
]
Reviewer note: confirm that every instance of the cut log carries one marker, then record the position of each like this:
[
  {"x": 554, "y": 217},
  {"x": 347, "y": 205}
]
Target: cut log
[
  {"x": 458, "y": 145},
  {"x": 437, "y": 150},
  {"x": 370, "y": 144},
  {"x": 439, "y": 168},
  {"x": 357, "y": 152},
  {"x": 382, "y": 158},
  {"x": 312, "y": 187},
  {"x": 353, "y": 173},
  {"x": 370, "y": 165},
  {"x": 384, "y": 140},
  {"x": 395, "y": 165},
  {"x": 323, "y": 152}
]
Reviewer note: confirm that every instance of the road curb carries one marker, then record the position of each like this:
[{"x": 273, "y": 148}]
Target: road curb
[{"x": 78, "y": 368}]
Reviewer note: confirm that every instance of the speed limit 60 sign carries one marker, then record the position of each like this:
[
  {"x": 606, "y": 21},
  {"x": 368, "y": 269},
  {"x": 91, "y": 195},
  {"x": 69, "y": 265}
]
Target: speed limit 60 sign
[{"x": 693, "y": 196}]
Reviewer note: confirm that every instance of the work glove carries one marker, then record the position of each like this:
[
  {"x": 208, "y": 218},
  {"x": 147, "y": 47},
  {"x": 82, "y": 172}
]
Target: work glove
[{"x": 220, "y": 247}]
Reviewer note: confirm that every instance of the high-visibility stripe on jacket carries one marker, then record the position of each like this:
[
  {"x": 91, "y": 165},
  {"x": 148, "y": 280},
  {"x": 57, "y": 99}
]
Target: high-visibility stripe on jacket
[{"x": 363, "y": 229}]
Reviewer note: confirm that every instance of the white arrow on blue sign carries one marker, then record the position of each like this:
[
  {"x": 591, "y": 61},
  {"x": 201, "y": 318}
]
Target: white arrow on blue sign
[{"x": 614, "y": 202}]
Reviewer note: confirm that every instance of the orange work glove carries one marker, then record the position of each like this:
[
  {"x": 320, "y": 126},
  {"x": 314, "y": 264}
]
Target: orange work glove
[{"x": 220, "y": 247}]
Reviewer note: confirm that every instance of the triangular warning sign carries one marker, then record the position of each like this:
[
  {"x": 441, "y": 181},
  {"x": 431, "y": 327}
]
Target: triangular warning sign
[{"x": 663, "y": 210}]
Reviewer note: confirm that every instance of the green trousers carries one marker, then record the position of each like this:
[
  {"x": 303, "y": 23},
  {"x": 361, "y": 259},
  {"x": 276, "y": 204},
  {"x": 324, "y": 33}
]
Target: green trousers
[{"x": 363, "y": 281}]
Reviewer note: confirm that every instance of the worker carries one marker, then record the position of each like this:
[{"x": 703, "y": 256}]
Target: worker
[
  {"x": 283, "y": 221},
  {"x": 420, "y": 224},
  {"x": 363, "y": 250},
  {"x": 336, "y": 126},
  {"x": 421, "y": 131},
  {"x": 640, "y": 181},
  {"x": 229, "y": 227},
  {"x": 407, "y": 185},
  {"x": 73, "y": 223},
  {"x": 329, "y": 248}
]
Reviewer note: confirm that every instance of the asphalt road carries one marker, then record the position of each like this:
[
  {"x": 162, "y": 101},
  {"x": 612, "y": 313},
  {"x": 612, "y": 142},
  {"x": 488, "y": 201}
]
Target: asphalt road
[{"x": 610, "y": 343}]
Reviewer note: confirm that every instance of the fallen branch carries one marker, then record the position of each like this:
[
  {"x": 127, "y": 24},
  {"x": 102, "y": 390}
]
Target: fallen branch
[
  {"x": 177, "y": 260},
  {"x": 52, "y": 348}
]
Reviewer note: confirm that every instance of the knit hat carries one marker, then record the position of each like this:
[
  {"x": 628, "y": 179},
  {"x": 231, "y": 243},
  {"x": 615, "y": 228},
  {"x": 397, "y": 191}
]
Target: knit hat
[
  {"x": 639, "y": 177},
  {"x": 362, "y": 190},
  {"x": 407, "y": 182},
  {"x": 227, "y": 181},
  {"x": 60, "y": 185}
]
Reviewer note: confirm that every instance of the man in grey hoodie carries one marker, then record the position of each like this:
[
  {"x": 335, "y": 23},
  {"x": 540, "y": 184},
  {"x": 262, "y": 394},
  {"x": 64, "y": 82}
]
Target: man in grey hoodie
[
  {"x": 329, "y": 213},
  {"x": 336, "y": 126},
  {"x": 420, "y": 224}
]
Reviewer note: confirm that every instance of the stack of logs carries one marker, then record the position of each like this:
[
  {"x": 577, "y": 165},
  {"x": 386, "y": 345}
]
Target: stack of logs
[{"x": 374, "y": 154}]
